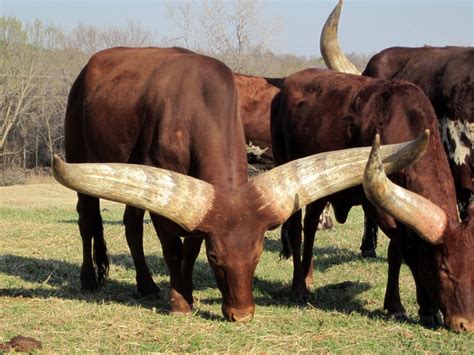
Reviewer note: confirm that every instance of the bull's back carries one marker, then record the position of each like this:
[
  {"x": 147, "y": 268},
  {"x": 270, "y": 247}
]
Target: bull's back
[
  {"x": 312, "y": 109},
  {"x": 150, "y": 106},
  {"x": 104, "y": 113},
  {"x": 444, "y": 73},
  {"x": 321, "y": 110}
]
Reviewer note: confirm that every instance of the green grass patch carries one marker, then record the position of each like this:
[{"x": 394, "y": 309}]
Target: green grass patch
[{"x": 40, "y": 296}]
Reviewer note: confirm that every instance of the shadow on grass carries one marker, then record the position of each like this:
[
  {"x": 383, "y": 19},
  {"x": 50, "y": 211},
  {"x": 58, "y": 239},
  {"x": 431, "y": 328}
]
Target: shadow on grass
[
  {"x": 61, "y": 279},
  {"x": 326, "y": 257}
]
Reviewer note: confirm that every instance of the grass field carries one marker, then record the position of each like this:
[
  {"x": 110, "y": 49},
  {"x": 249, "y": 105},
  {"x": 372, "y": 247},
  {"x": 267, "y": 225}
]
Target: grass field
[{"x": 40, "y": 296}]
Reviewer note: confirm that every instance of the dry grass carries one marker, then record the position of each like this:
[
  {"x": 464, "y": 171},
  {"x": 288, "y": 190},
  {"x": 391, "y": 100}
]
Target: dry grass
[{"x": 40, "y": 297}]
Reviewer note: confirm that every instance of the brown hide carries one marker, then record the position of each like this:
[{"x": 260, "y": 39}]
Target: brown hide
[
  {"x": 321, "y": 110},
  {"x": 168, "y": 108},
  {"x": 446, "y": 75},
  {"x": 256, "y": 95}
]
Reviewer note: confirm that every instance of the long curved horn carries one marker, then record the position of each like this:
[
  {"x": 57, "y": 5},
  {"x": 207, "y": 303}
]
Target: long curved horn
[
  {"x": 329, "y": 45},
  {"x": 416, "y": 212},
  {"x": 290, "y": 187},
  {"x": 180, "y": 198}
]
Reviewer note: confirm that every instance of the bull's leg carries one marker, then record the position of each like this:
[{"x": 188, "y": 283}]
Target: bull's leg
[
  {"x": 133, "y": 221},
  {"x": 92, "y": 234},
  {"x": 392, "y": 301},
  {"x": 173, "y": 254},
  {"x": 369, "y": 239},
  {"x": 428, "y": 312},
  {"x": 291, "y": 234},
  {"x": 191, "y": 248},
  {"x": 311, "y": 218}
]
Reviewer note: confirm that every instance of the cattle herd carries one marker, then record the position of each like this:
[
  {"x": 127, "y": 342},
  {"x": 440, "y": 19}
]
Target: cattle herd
[{"x": 164, "y": 130}]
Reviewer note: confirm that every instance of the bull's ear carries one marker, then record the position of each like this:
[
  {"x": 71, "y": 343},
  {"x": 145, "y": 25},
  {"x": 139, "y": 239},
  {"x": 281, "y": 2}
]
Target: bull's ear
[
  {"x": 331, "y": 52},
  {"x": 290, "y": 187},
  {"x": 180, "y": 198},
  {"x": 416, "y": 212}
]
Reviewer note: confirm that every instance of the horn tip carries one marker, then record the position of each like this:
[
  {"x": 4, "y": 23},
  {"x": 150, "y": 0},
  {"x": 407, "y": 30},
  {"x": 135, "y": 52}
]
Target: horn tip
[
  {"x": 57, "y": 162},
  {"x": 424, "y": 139},
  {"x": 376, "y": 142},
  {"x": 58, "y": 167}
]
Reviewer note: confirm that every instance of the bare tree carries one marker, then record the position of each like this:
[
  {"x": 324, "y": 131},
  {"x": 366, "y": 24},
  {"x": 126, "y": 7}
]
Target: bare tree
[
  {"x": 91, "y": 39},
  {"x": 21, "y": 68},
  {"x": 28, "y": 75},
  {"x": 232, "y": 31},
  {"x": 183, "y": 14},
  {"x": 235, "y": 31}
]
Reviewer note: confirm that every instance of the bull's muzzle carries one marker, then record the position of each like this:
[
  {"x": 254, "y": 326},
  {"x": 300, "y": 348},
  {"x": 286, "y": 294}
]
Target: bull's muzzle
[
  {"x": 460, "y": 324},
  {"x": 238, "y": 315}
]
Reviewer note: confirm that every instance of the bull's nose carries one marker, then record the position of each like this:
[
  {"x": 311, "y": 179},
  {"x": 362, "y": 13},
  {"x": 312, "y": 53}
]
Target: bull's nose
[
  {"x": 238, "y": 314},
  {"x": 459, "y": 324}
]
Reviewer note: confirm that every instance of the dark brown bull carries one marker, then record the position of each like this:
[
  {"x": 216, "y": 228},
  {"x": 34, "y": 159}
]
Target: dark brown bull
[
  {"x": 322, "y": 110},
  {"x": 446, "y": 75},
  {"x": 176, "y": 110}
]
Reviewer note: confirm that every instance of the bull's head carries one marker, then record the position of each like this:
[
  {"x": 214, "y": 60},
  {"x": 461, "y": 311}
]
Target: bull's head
[
  {"x": 451, "y": 277},
  {"x": 233, "y": 221}
]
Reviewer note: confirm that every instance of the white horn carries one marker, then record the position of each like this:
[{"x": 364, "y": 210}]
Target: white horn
[
  {"x": 329, "y": 45},
  {"x": 180, "y": 198}
]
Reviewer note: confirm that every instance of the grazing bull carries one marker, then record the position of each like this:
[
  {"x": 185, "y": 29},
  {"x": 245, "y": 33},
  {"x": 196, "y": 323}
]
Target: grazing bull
[
  {"x": 445, "y": 74},
  {"x": 176, "y": 110},
  {"x": 322, "y": 110}
]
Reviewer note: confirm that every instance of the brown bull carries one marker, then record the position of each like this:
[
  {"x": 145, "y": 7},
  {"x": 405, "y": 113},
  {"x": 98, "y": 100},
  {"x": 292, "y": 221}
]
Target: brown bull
[
  {"x": 445, "y": 74},
  {"x": 176, "y": 110},
  {"x": 322, "y": 110}
]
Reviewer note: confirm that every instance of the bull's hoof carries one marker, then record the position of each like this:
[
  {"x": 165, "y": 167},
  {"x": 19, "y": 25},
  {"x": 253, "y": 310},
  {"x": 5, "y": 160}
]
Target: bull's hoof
[
  {"x": 366, "y": 254},
  {"x": 89, "y": 281},
  {"x": 399, "y": 316},
  {"x": 432, "y": 321},
  {"x": 395, "y": 310},
  {"x": 300, "y": 294},
  {"x": 178, "y": 305}
]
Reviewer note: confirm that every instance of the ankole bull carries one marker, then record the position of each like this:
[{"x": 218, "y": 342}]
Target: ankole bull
[
  {"x": 322, "y": 110},
  {"x": 173, "y": 117},
  {"x": 445, "y": 74}
]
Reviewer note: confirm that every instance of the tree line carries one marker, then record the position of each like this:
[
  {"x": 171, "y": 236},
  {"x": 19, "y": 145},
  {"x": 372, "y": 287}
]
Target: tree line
[{"x": 39, "y": 63}]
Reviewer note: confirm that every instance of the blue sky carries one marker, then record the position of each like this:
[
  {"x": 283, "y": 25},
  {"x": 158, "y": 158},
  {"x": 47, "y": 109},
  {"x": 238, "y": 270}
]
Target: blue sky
[{"x": 366, "y": 26}]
